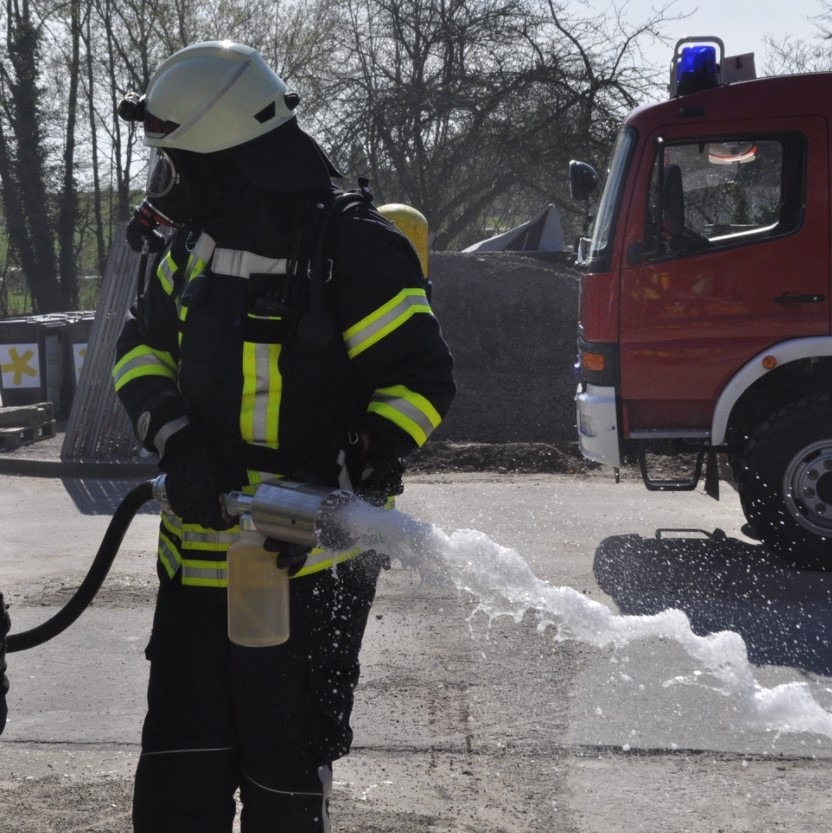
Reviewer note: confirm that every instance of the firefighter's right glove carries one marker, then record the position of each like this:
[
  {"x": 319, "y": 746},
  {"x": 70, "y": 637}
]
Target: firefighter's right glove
[
  {"x": 142, "y": 230},
  {"x": 290, "y": 557},
  {"x": 375, "y": 459},
  {"x": 193, "y": 479}
]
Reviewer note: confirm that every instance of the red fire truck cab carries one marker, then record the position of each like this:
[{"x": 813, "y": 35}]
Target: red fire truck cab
[{"x": 705, "y": 297}]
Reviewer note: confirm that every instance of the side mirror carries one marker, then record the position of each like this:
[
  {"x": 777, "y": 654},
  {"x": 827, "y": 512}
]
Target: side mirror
[{"x": 583, "y": 180}]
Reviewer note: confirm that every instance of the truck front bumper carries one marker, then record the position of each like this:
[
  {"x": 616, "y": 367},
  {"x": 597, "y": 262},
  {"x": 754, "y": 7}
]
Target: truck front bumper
[{"x": 597, "y": 419}]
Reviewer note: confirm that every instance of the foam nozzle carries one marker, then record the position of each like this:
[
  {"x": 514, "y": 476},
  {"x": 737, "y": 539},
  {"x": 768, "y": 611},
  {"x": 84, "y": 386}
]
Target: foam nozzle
[{"x": 296, "y": 513}]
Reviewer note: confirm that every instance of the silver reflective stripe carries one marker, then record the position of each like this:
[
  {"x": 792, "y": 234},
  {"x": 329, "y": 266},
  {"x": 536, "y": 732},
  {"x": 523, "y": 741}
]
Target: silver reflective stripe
[
  {"x": 407, "y": 409},
  {"x": 242, "y": 264},
  {"x": 169, "y": 556},
  {"x": 209, "y": 538},
  {"x": 214, "y": 538},
  {"x": 208, "y": 568},
  {"x": 262, "y": 407},
  {"x": 384, "y": 320},
  {"x": 136, "y": 361},
  {"x": 319, "y": 559},
  {"x": 214, "y": 575}
]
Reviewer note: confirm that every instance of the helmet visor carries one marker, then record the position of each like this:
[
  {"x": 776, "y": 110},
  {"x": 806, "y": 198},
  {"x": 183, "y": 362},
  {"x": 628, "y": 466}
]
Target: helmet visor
[{"x": 162, "y": 175}]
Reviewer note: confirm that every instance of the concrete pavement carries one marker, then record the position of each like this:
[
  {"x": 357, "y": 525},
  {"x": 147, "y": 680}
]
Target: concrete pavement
[{"x": 462, "y": 724}]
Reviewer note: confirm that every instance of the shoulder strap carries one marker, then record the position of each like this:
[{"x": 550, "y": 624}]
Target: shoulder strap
[
  {"x": 315, "y": 329},
  {"x": 326, "y": 214}
]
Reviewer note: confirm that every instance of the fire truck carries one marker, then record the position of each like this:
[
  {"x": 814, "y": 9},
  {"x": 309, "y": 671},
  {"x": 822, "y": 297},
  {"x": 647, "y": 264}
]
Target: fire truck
[{"x": 705, "y": 295}]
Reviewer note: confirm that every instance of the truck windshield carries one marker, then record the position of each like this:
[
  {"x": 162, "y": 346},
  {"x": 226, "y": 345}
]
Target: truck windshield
[{"x": 598, "y": 255}]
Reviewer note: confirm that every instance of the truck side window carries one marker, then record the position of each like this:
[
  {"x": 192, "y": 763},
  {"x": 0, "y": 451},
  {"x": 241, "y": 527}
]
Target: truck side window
[{"x": 712, "y": 193}]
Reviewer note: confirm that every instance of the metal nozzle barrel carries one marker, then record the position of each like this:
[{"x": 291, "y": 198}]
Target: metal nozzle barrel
[
  {"x": 296, "y": 512},
  {"x": 289, "y": 511}
]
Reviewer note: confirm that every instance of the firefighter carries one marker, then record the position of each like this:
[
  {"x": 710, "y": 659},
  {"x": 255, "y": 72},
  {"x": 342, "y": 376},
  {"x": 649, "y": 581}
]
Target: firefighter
[{"x": 284, "y": 332}]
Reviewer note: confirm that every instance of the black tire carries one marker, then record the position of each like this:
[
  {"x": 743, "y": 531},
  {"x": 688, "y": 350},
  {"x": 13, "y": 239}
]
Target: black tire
[{"x": 785, "y": 482}]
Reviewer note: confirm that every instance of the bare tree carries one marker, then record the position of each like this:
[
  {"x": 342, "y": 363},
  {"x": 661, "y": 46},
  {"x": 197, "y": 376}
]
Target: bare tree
[
  {"x": 23, "y": 157},
  {"x": 467, "y": 109},
  {"x": 458, "y": 106},
  {"x": 67, "y": 198},
  {"x": 787, "y": 54}
]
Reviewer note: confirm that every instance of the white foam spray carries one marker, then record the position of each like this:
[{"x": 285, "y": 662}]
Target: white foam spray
[{"x": 502, "y": 584}]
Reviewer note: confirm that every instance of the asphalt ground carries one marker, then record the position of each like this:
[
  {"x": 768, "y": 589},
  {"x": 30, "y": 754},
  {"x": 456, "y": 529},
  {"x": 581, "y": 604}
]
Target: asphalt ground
[{"x": 465, "y": 722}]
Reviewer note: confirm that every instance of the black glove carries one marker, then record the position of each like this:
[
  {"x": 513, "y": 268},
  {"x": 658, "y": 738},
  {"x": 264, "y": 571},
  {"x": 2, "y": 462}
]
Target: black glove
[
  {"x": 193, "y": 479},
  {"x": 375, "y": 460},
  {"x": 382, "y": 476},
  {"x": 290, "y": 557},
  {"x": 142, "y": 230}
]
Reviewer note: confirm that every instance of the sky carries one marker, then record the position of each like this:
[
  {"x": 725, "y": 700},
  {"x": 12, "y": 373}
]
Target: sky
[{"x": 742, "y": 24}]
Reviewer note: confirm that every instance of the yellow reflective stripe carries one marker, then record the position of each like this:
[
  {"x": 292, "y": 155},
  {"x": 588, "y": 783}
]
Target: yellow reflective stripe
[
  {"x": 200, "y": 255},
  {"x": 209, "y": 572},
  {"x": 193, "y": 538},
  {"x": 183, "y": 314},
  {"x": 200, "y": 572},
  {"x": 197, "y": 260},
  {"x": 143, "y": 361},
  {"x": 169, "y": 555},
  {"x": 325, "y": 560},
  {"x": 262, "y": 392},
  {"x": 172, "y": 524},
  {"x": 165, "y": 272},
  {"x": 411, "y": 411},
  {"x": 204, "y": 573},
  {"x": 196, "y": 537},
  {"x": 387, "y": 318},
  {"x": 197, "y": 263}
]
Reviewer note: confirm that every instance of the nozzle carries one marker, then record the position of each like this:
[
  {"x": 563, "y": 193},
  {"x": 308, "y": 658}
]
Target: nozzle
[
  {"x": 288, "y": 511},
  {"x": 296, "y": 513}
]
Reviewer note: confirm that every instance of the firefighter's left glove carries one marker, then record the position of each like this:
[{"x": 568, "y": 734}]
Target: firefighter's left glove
[
  {"x": 193, "y": 479},
  {"x": 290, "y": 557}
]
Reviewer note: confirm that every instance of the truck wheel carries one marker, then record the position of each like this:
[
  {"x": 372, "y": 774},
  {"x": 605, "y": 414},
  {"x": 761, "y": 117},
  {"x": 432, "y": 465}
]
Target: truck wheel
[{"x": 785, "y": 484}]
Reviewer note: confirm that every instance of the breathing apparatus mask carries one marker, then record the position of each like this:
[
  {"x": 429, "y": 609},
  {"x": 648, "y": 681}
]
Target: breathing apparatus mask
[
  {"x": 181, "y": 187},
  {"x": 142, "y": 230},
  {"x": 162, "y": 206},
  {"x": 171, "y": 187},
  {"x": 162, "y": 179},
  {"x": 170, "y": 199}
]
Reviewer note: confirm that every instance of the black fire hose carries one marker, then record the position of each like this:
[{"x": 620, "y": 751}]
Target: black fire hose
[
  {"x": 92, "y": 582},
  {"x": 107, "y": 551}
]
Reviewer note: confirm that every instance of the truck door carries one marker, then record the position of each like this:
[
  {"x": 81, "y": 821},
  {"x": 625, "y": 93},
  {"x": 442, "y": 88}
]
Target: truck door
[{"x": 726, "y": 253}]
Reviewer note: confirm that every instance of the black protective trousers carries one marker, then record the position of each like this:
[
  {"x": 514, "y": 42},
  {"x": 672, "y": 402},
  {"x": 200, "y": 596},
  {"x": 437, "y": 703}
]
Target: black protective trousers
[{"x": 269, "y": 721}]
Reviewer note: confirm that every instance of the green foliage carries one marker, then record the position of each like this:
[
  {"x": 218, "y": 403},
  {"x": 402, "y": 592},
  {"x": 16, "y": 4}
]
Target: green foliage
[{"x": 15, "y": 294}]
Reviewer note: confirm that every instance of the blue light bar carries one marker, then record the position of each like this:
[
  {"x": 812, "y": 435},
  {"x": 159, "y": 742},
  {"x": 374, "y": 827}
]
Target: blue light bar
[{"x": 697, "y": 69}]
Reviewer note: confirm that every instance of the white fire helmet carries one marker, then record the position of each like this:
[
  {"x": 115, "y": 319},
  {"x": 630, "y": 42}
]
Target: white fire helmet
[{"x": 212, "y": 96}]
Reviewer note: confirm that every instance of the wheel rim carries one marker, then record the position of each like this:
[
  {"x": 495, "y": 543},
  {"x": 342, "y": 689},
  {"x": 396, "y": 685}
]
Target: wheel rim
[{"x": 807, "y": 488}]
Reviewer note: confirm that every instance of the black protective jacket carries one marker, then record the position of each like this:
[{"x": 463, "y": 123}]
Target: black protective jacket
[{"x": 272, "y": 367}]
